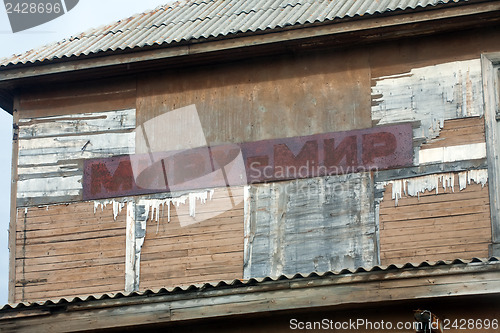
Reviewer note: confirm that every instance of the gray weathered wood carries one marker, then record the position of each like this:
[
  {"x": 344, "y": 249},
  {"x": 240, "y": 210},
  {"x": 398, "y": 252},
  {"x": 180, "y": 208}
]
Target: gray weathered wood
[
  {"x": 309, "y": 225},
  {"x": 490, "y": 66}
]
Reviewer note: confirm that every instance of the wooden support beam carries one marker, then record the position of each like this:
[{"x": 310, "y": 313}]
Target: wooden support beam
[{"x": 490, "y": 64}]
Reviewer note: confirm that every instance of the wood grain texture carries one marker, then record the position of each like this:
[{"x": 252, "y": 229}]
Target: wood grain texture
[
  {"x": 318, "y": 224},
  {"x": 449, "y": 225},
  {"x": 456, "y": 132},
  {"x": 305, "y": 94},
  {"x": 207, "y": 247},
  {"x": 67, "y": 250}
]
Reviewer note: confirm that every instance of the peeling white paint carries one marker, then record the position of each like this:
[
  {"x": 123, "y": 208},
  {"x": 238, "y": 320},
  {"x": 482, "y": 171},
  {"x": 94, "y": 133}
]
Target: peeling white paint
[
  {"x": 49, "y": 187},
  {"x": 117, "y": 206},
  {"x": 49, "y": 147},
  {"x": 452, "y": 153},
  {"x": 76, "y": 123},
  {"x": 430, "y": 95},
  {"x": 154, "y": 205},
  {"x": 414, "y": 186},
  {"x": 477, "y": 176}
]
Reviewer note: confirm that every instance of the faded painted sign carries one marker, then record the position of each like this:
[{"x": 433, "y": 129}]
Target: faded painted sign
[{"x": 246, "y": 163}]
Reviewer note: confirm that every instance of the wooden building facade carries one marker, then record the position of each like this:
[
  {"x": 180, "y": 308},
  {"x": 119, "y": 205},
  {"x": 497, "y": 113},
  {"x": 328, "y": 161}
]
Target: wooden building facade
[{"x": 364, "y": 139}]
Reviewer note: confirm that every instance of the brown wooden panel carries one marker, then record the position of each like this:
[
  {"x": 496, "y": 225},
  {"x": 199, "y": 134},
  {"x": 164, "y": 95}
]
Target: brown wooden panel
[
  {"x": 63, "y": 249},
  {"x": 78, "y": 97},
  {"x": 208, "y": 251},
  {"x": 448, "y": 225},
  {"x": 305, "y": 94},
  {"x": 458, "y": 132}
]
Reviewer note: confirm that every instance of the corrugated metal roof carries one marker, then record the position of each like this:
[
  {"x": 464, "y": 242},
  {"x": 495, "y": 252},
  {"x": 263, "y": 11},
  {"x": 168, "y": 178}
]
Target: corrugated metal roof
[
  {"x": 198, "y": 19},
  {"x": 254, "y": 281}
]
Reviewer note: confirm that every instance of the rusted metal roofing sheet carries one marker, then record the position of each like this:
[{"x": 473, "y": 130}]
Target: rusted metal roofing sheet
[
  {"x": 257, "y": 281},
  {"x": 198, "y": 19}
]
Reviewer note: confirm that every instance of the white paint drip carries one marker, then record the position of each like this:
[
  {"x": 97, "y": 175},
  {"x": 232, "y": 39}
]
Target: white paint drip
[
  {"x": 117, "y": 206},
  {"x": 477, "y": 176},
  {"x": 152, "y": 206},
  {"x": 414, "y": 186}
]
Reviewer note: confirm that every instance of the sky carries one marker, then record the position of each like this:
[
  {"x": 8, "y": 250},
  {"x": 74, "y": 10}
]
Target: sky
[{"x": 87, "y": 14}]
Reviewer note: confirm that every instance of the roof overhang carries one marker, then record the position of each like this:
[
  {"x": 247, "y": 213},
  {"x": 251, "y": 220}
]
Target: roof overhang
[
  {"x": 342, "y": 32},
  {"x": 331, "y": 290}
]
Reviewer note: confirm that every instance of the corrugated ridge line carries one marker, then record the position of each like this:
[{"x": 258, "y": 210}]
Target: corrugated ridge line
[
  {"x": 190, "y": 19},
  {"x": 254, "y": 281}
]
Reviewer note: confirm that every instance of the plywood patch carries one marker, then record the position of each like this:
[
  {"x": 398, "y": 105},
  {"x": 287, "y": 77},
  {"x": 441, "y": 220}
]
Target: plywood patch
[
  {"x": 318, "y": 224},
  {"x": 437, "y": 223}
]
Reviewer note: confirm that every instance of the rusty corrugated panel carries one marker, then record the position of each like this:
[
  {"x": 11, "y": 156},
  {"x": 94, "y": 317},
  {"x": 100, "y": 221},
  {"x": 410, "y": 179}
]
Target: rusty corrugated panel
[
  {"x": 197, "y": 19},
  {"x": 253, "y": 281}
]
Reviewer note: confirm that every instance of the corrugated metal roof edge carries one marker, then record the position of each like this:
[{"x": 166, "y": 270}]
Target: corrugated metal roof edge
[
  {"x": 250, "y": 282},
  {"x": 128, "y": 49}
]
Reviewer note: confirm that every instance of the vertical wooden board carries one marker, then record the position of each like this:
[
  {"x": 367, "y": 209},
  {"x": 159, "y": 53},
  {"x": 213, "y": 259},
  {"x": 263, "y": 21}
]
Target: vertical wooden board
[
  {"x": 63, "y": 249},
  {"x": 307, "y": 94},
  {"x": 451, "y": 224},
  {"x": 13, "y": 223},
  {"x": 303, "y": 226}
]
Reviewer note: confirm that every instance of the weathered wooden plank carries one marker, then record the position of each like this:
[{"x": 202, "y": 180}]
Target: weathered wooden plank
[
  {"x": 468, "y": 253},
  {"x": 424, "y": 223},
  {"x": 319, "y": 224},
  {"x": 35, "y": 266},
  {"x": 14, "y": 218},
  {"x": 434, "y": 228},
  {"x": 406, "y": 255},
  {"x": 70, "y": 247},
  {"x": 490, "y": 81},
  {"x": 72, "y": 289},
  {"x": 449, "y": 238},
  {"x": 89, "y": 123},
  {"x": 76, "y": 236},
  {"x": 184, "y": 275},
  {"x": 437, "y": 213},
  {"x": 70, "y": 258}
]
